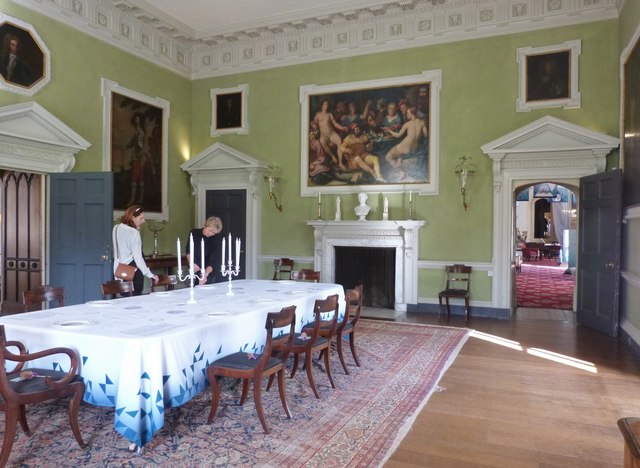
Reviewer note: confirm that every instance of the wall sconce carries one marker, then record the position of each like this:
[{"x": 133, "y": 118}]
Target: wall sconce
[
  {"x": 464, "y": 170},
  {"x": 272, "y": 175}
]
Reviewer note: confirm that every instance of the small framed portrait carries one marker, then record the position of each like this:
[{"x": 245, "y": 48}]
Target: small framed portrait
[
  {"x": 376, "y": 135},
  {"x": 229, "y": 110},
  {"x": 135, "y": 149},
  {"x": 549, "y": 76},
  {"x": 24, "y": 58}
]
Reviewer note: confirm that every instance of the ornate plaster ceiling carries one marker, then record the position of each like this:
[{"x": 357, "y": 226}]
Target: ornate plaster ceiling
[{"x": 203, "y": 38}]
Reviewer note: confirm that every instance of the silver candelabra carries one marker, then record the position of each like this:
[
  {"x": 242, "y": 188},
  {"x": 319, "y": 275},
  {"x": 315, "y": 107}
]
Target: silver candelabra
[
  {"x": 156, "y": 228},
  {"x": 230, "y": 272},
  {"x": 192, "y": 275}
]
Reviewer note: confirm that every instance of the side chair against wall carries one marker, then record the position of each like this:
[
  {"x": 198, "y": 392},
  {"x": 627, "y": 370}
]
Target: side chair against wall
[
  {"x": 167, "y": 281},
  {"x": 247, "y": 366},
  {"x": 34, "y": 298},
  {"x": 306, "y": 274},
  {"x": 309, "y": 343},
  {"x": 457, "y": 287},
  {"x": 20, "y": 386},
  {"x": 115, "y": 288},
  {"x": 282, "y": 268}
]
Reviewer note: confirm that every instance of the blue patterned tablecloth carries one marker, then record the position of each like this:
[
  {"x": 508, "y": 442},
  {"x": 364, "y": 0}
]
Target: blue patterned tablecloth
[{"x": 143, "y": 354}]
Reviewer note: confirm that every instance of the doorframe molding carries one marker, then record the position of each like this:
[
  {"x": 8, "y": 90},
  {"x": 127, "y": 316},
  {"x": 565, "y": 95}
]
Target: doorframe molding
[
  {"x": 221, "y": 167},
  {"x": 548, "y": 149}
]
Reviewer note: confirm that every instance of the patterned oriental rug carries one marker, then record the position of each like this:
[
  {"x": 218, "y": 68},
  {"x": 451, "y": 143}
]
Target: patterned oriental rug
[
  {"x": 543, "y": 284},
  {"x": 359, "y": 423}
]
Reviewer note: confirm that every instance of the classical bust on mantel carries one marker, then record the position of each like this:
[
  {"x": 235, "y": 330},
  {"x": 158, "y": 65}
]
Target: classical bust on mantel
[{"x": 362, "y": 210}]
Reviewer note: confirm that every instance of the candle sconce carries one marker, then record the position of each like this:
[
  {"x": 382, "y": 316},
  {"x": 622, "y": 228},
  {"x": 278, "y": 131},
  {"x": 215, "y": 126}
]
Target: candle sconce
[
  {"x": 272, "y": 176},
  {"x": 464, "y": 170}
]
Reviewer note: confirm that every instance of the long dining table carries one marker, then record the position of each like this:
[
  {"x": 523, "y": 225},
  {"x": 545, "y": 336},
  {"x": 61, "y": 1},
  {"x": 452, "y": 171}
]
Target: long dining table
[{"x": 144, "y": 354}]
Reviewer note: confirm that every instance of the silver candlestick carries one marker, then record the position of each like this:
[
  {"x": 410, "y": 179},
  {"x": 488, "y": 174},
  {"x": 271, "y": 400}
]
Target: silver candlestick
[
  {"x": 230, "y": 272},
  {"x": 192, "y": 275},
  {"x": 156, "y": 228}
]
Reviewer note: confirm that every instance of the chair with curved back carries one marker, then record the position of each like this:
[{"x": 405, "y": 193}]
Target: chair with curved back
[
  {"x": 115, "y": 288},
  {"x": 167, "y": 281},
  {"x": 457, "y": 287},
  {"x": 247, "y": 366},
  {"x": 308, "y": 344},
  {"x": 35, "y": 298},
  {"x": 306, "y": 274},
  {"x": 282, "y": 268},
  {"x": 20, "y": 386}
]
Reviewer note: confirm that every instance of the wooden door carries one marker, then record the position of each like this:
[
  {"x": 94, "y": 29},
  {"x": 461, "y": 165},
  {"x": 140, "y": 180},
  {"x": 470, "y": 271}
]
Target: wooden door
[
  {"x": 81, "y": 206},
  {"x": 599, "y": 237},
  {"x": 231, "y": 207}
]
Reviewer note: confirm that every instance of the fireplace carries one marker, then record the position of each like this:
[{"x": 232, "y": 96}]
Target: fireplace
[
  {"x": 373, "y": 267},
  {"x": 400, "y": 236}
]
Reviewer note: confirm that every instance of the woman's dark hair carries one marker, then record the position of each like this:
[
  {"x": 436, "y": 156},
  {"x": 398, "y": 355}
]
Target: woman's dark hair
[{"x": 130, "y": 213}]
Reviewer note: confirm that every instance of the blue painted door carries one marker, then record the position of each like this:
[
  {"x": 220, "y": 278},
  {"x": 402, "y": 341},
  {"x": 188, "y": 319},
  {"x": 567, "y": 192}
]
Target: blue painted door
[
  {"x": 231, "y": 207},
  {"x": 600, "y": 233},
  {"x": 81, "y": 207}
]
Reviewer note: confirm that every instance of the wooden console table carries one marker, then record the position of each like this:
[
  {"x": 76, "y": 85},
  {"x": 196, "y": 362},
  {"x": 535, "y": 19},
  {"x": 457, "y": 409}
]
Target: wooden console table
[{"x": 168, "y": 262}]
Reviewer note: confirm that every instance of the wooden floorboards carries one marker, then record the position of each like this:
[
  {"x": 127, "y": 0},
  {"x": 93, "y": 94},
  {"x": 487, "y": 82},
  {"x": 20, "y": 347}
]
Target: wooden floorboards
[{"x": 507, "y": 407}]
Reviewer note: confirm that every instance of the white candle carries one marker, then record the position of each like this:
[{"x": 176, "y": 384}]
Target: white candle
[
  {"x": 319, "y": 198},
  {"x": 410, "y": 195},
  {"x": 230, "y": 257},
  {"x": 237, "y": 251},
  {"x": 179, "y": 257},
  {"x": 191, "y": 252},
  {"x": 202, "y": 262},
  {"x": 223, "y": 251}
]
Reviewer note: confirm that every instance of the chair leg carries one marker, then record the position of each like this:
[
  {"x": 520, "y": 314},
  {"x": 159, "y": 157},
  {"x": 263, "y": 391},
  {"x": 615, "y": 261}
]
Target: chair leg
[
  {"x": 294, "y": 368},
  {"x": 440, "y": 308},
  {"x": 10, "y": 425},
  {"x": 283, "y": 392},
  {"x": 309, "y": 366},
  {"x": 327, "y": 365},
  {"x": 448, "y": 309},
  {"x": 74, "y": 409},
  {"x": 339, "y": 339},
  {"x": 352, "y": 345},
  {"x": 215, "y": 395},
  {"x": 466, "y": 308},
  {"x": 23, "y": 420},
  {"x": 245, "y": 391},
  {"x": 257, "y": 398},
  {"x": 270, "y": 382}
]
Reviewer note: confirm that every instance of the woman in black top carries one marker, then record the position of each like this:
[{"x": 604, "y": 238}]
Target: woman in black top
[{"x": 212, "y": 257}]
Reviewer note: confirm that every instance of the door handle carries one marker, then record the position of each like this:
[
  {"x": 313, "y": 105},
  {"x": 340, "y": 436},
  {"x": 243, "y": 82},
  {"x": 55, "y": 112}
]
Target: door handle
[
  {"x": 609, "y": 265},
  {"x": 104, "y": 258}
]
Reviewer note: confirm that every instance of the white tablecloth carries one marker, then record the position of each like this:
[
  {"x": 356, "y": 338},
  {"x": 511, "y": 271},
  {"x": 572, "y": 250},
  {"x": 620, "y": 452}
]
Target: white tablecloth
[{"x": 147, "y": 353}]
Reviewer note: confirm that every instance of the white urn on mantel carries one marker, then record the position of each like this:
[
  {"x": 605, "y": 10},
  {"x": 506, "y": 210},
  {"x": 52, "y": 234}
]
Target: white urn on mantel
[{"x": 402, "y": 235}]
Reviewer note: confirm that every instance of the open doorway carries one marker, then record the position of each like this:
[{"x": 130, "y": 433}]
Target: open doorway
[{"x": 545, "y": 235}]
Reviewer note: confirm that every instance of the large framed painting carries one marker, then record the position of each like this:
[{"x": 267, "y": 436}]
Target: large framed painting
[
  {"x": 548, "y": 76},
  {"x": 25, "y": 61},
  {"x": 229, "y": 110},
  {"x": 631, "y": 122},
  {"x": 378, "y": 135},
  {"x": 135, "y": 149}
]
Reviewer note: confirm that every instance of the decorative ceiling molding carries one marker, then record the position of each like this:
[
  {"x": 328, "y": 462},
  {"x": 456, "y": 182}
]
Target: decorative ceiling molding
[{"x": 377, "y": 28}]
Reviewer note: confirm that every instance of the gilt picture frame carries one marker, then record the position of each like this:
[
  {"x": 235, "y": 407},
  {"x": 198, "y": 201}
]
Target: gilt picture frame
[
  {"x": 135, "y": 136},
  {"x": 548, "y": 76},
  {"x": 25, "y": 60},
  {"x": 229, "y": 110},
  {"x": 378, "y": 135}
]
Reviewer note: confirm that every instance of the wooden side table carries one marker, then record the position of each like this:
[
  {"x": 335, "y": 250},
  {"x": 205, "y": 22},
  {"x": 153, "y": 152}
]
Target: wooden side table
[{"x": 168, "y": 262}]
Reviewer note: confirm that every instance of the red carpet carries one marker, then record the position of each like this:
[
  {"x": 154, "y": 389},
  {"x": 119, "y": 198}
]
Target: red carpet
[{"x": 543, "y": 284}]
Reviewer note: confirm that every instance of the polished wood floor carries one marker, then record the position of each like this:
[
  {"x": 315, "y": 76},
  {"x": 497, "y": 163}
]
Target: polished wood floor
[{"x": 535, "y": 391}]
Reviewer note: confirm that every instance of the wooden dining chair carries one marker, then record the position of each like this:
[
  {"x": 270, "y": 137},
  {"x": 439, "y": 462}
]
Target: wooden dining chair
[
  {"x": 167, "y": 281},
  {"x": 306, "y": 274},
  {"x": 40, "y": 297},
  {"x": 282, "y": 268},
  {"x": 115, "y": 288},
  {"x": 457, "y": 287},
  {"x": 251, "y": 367},
  {"x": 310, "y": 342},
  {"x": 346, "y": 325},
  {"x": 21, "y": 386}
]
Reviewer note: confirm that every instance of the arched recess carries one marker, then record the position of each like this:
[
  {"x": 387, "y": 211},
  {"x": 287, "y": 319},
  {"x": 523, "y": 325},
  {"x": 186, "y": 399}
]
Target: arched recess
[{"x": 548, "y": 149}]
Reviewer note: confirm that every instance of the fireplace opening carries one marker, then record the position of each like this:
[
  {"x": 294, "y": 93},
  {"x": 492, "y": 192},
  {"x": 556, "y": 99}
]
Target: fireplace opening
[{"x": 373, "y": 267}]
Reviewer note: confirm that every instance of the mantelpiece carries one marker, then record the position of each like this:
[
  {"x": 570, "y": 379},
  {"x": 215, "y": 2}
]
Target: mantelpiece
[{"x": 399, "y": 234}]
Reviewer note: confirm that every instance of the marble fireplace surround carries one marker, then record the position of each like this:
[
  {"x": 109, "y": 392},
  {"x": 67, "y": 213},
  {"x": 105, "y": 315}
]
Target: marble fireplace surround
[{"x": 399, "y": 234}]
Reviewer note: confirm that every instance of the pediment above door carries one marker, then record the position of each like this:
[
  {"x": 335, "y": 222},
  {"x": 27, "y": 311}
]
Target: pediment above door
[
  {"x": 551, "y": 142},
  {"x": 32, "y": 139}
]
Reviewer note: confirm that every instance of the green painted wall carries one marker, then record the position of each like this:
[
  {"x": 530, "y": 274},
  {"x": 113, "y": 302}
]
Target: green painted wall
[
  {"x": 78, "y": 62},
  {"x": 479, "y": 90},
  {"x": 477, "y": 105}
]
